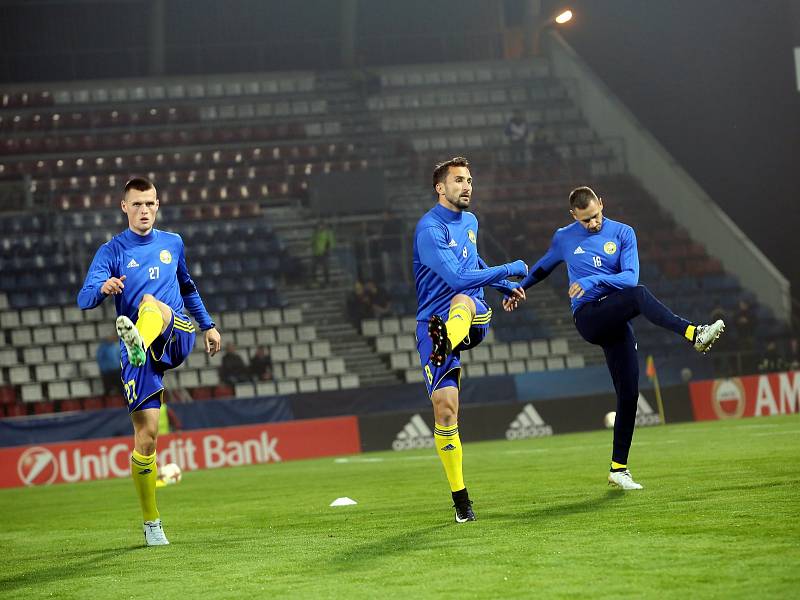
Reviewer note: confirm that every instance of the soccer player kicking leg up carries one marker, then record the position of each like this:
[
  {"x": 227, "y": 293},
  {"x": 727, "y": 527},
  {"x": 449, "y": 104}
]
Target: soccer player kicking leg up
[
  {"x": 603, "y": 267},
  {"x": 450, "y": 275},
  {"x": 137, "y": 267}
]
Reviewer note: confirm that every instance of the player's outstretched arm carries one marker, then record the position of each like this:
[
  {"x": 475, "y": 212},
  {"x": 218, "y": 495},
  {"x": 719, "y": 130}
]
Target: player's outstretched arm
[
  {"x": 436, "y": 255},
  {"x": 194, "y": 304},
  {"x": 213, "y": 341},
  {"x": 512, "y": 291},
  {"x": 544, "y": 266},
  {"x": 100, "y": 280},
  {"x": 515, "y": 298}
]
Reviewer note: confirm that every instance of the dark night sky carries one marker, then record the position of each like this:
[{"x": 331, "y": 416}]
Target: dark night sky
[{"x": 714, "y": 81}]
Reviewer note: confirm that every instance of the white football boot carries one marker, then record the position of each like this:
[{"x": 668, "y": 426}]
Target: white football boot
[
  {"x": 132, "y": 339},
  {"x": 623, "y": 479},
  {"x": 706, "y": 335},
  {"x": 154, "y": 533}
]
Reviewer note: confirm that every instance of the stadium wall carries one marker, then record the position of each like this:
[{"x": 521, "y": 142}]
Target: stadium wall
[
  {"x": 547, "y": 385},
  {"x": 752, "y": 396},
  {"x": 200, "y": 449},
  {"x": 668, "y": 183},
  {"x": 410, "y": 428}
]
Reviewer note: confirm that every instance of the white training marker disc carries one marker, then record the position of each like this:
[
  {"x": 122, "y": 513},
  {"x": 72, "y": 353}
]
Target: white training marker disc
[{"x": 343, "y": 502}]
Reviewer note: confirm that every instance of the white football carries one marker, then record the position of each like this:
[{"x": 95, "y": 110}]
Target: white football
[
  {"x": 170, "y": 473},
  {"x": 609, "y": 420}
]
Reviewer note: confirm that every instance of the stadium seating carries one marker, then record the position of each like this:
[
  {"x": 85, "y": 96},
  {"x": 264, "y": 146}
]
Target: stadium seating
[{"x": 232, "y": 157}]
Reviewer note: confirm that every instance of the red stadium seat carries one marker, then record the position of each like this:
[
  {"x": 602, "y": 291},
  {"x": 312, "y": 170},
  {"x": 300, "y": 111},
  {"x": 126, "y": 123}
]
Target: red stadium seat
[
  {"x": 202, "y": 393},
  {"x": 223, "y": 391},
  {"x": 8, "y": 394},
  {"x": 16, "y": 410},
  {"x": 114, "y": 402},
  {"x": 40, "y": 408},
  {"x": 92, "y": 403},
  {"x": 70, "y": 405}
]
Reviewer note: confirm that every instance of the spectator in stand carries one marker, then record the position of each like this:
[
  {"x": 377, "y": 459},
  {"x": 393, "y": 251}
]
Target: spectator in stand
[
  {"x": 110, "y": 368},
  {"x": 724, "y": 360},
  {"x": 322, "y": 243},
  {"x": 233, "y": 369},
  {"x": 745, "y": 322},
  {"x": 261, "y": 365},
  {"x": 358, "y": 305},
  {"x": 793, "y": 353},
  {"x": 718, "y": 312},
  {"x": 378, "y": 299},
  {"x": 385, "y": 249},
  {"x": 771, "y": 360},
  {"x": 517, "y": 133}
]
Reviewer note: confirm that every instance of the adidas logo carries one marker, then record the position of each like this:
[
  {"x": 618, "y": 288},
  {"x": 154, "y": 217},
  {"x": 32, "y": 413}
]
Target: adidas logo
[
  {"x": 416, "y": 434},
  {"x": 579, "y": 250},
  {"x": 133, "y": 263},
  {"x": 528, "y": 424},
  {"x": 645, "y": 415},
  {"x": 449, "y": 447},
  {"x": 145, "y": 471},
  {"x": 452, "y": 243}
]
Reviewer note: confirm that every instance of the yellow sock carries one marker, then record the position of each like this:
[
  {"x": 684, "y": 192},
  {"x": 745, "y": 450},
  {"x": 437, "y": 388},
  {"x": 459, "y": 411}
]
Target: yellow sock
[
  {"x": 689, "y": 335},
  {"x": 150, "y": 322},
  {"x": 144, "y": 474},
  {"x": 459, "y": 320},
  {"x": 448, "y": 445},
  {"x": 616, "y": 465}
]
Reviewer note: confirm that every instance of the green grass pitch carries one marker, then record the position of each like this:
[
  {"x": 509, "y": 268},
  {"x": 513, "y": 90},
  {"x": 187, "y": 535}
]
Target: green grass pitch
[{"x": 718, "y": 518}]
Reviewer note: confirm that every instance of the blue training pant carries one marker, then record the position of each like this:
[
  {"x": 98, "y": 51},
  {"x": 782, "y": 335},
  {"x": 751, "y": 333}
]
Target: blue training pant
[{"x": 606, "y": 323}]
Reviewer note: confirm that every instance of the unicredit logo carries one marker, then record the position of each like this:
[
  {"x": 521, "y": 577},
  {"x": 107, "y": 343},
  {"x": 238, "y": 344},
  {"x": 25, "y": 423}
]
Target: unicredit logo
[{"x": 37, "y": 466}]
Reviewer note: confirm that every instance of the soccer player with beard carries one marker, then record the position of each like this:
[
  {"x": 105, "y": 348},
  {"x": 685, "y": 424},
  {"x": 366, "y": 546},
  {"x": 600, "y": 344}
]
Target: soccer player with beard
[
  {"x": 452, "y": 315},
  {"x": 603, "y": 267}
]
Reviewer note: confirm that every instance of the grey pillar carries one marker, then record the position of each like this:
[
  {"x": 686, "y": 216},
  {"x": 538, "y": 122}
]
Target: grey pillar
[
  {"x": 155, "y": 41},
  {"x": 347, "y": 33},
  {"x": 533, "y": 18}
]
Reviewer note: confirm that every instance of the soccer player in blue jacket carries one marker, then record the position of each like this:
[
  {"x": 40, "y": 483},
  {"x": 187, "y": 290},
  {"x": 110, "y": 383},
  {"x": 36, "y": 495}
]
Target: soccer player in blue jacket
[
  {"x": 603, "y": 267},
  {"x": 144, "y": 269},
  {"x": 449, "y": 275}
]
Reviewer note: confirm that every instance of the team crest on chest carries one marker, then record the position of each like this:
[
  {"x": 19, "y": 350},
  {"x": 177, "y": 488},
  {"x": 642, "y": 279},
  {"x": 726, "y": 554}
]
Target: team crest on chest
[
  {"x": 609, "y": 247},
  {"x": 165, "y": 257},
  {"x": 471, "y": 235}
]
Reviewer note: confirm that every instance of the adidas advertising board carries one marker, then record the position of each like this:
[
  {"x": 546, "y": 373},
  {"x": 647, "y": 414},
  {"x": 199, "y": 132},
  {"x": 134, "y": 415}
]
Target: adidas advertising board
[
  {"x": 645, "y": 415},
  {"x": 528, "y": 424},
  {"x": 415, "y": 434},
  {"x": 411, "y": 429}
]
